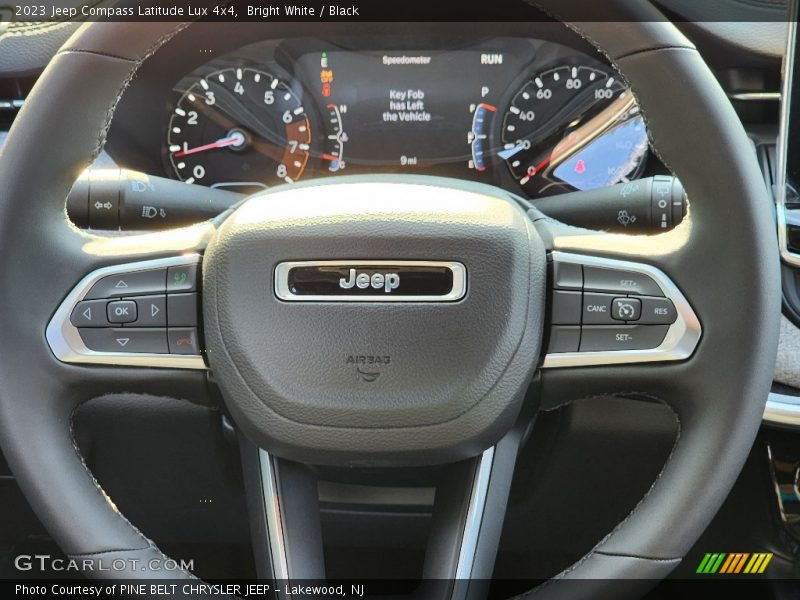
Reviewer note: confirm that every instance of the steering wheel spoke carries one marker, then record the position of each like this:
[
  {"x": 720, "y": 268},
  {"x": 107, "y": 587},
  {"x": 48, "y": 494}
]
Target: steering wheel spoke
[{"x": 466, "y": 517}]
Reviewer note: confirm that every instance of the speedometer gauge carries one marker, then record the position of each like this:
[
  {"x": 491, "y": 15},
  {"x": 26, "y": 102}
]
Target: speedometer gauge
[
  {"x": 573, "y": 128},
  {"x": 239, "y": 127}
]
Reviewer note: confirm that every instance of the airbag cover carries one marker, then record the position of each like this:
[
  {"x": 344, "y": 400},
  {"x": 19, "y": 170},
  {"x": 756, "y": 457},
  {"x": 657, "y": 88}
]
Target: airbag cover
[{"x": 375, "y": 382}]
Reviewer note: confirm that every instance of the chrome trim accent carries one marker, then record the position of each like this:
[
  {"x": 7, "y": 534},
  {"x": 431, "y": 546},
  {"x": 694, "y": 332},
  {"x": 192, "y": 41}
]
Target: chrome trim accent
[
  {"x": 67, "y": 345},
  {"x": 782, "y": 410},
  {"x": 682, "y": 336},
  {"x": 472, "y": 524},
  {"x": 756, "y": 96},
  {"x": 272, "y": 510},
  {"x": 780, "y": 191},
  {"x": 283, "y": 292}
]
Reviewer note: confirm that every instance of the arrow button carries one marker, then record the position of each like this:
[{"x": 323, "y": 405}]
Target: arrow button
[
  {"x": 135, "y": 283},
  {"x": 110, "y": 340},
  {"x": 152, "y": 312},
  {"x": 90, "y": 313}
]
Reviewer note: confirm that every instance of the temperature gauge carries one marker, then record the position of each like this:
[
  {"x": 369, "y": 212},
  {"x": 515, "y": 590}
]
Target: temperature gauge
[{"x": 336, "y": 138}]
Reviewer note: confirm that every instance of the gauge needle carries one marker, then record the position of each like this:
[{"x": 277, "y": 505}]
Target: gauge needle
[
  {"x": 234, "y": 139},
  {"x": 533, "y": 171},
  {"x": 597, "y": 126},
  {"x": 506, "y": 154},
  {"x": 264, "y": 147}
]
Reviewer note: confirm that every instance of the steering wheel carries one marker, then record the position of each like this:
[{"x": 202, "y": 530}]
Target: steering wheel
[{"x": 391, "y": 322}]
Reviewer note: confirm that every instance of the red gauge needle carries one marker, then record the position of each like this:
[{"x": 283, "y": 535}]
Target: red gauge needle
[
  {"x": 533, "y": 171},
  {"x": 234, "y": 139},
  {"x": 329, "y": 157},
  {"x": 543, "y": 164}
]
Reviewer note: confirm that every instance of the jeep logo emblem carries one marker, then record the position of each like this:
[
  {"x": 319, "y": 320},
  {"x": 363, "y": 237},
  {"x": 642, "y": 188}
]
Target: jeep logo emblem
[
  {"x": 370, "y": 281},
  {"x": 387, "y": 281}
]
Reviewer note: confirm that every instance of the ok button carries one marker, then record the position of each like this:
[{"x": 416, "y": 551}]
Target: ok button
[{"x": 121, "y": 311}]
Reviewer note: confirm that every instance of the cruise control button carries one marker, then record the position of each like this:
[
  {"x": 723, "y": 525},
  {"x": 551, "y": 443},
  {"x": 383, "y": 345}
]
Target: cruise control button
[
  {"x": 182, "y": 278},
  {"x": 152, "y": 312},
  {"x": 89, "y": 313},
  {"x": 135, "y": 283},
  {"x": 182, "y": 310},
  {"x": 566, "y": 308},
  {"x": 564, "y": 339},
  {"x": 597, "y": 309},
  {"x": 626, "y": 309},
  {"x": 658, "y": 311},
  {"x": 183, "y": 340},
  {"x": 615, "y": 280},
  {"x": 121, "y": 311},
  {"x": 125, "y": 340},
  {"x": 567, "y": 276},
  {"x": 622, "y": 337}
]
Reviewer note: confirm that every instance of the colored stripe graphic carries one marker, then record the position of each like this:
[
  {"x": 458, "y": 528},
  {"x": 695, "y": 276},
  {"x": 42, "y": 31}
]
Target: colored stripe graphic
[
  {"x": 729, "y": 562},
  {"x": 711, "y": 562},
  {"x": 740, "y": 564},
  {"x": 734, "y": 563},
  {"x": 703, "y": 563}
]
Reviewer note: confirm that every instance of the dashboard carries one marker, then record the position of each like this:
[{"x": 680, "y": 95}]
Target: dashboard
[{"x": 532, "y": 109}]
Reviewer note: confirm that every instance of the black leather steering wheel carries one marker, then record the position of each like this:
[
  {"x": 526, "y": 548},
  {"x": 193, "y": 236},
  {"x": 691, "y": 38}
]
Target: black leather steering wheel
[{"x": 719, "y": 268}]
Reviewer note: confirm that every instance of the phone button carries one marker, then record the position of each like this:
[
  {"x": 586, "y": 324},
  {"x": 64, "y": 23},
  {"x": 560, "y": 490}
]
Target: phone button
[{"x": 183, "y": 340}]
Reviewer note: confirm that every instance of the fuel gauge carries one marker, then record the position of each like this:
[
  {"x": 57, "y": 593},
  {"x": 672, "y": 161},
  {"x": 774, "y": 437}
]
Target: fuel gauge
[{"x": 478, "y": 136}]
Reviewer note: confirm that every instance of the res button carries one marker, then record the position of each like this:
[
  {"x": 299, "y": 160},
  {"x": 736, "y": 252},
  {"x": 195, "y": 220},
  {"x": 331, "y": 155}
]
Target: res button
[{"x": 658, "y": 311}]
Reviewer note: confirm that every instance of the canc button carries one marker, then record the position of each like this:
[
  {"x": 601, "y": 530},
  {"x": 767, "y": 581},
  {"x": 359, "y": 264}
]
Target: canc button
[{"x": 597, "y": 309}]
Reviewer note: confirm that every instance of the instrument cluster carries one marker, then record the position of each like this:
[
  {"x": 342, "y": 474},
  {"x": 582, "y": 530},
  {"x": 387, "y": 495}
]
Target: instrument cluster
[{"x": 534, "y": 116}]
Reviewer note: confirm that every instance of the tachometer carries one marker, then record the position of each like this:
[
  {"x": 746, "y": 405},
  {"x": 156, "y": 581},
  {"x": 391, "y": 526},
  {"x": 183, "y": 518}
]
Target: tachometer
[
  {"x": 573, "y": 127},
  {"x": 239, "y": 127}
]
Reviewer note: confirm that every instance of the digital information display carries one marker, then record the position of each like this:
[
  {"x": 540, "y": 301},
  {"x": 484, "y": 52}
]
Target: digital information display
[{"x": 407, "y": 111}]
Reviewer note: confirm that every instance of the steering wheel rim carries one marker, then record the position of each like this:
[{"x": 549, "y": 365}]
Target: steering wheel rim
[{"x": 727, "y": 267}]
